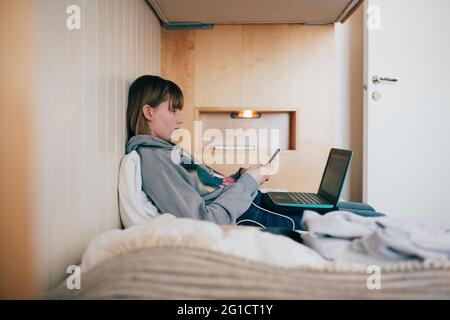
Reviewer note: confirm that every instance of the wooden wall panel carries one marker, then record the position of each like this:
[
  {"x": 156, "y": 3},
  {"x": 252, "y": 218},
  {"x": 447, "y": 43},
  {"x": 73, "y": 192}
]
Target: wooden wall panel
[
  {"x": 264, "y": 66},
  {"x": 177, "y": 59}
]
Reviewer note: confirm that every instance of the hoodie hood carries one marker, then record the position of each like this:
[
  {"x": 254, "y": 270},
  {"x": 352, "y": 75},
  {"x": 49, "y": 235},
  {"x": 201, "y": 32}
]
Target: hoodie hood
[{"x": 147, "y": 141}]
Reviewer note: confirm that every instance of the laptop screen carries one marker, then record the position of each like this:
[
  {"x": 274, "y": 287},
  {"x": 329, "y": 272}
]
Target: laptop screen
[{"x": 334, "y": 174}]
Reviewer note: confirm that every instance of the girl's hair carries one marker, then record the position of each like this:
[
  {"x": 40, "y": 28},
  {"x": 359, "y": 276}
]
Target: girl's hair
[{"x": 151, "y": 90}]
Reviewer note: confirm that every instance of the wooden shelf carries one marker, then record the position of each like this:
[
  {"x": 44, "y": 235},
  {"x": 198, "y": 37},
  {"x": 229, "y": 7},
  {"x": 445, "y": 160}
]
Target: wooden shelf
[
  {"x": 231, "y": 109},
  {"x": 283, "y": 119}
]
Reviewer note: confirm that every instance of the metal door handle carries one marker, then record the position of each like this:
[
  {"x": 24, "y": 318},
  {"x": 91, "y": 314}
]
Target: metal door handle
[{"x": 378, "y": 79}]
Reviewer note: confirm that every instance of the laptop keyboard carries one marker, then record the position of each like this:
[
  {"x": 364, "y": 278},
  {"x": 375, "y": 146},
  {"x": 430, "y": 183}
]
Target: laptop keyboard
[{"x": 307, "y": 198}]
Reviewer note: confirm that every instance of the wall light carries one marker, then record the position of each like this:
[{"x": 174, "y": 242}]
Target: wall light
[{"x": 246, "y": 114}]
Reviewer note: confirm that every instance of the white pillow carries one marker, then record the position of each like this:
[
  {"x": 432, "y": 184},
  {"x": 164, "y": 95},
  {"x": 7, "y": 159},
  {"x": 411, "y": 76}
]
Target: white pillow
[{"x": 134, "y": 205}]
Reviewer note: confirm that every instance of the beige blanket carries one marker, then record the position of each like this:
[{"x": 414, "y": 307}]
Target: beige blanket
[{"x": 174, "y": 272}]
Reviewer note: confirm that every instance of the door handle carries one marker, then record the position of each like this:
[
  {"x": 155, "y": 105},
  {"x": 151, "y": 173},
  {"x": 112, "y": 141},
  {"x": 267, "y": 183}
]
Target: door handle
[{"x": 378, "y": 79}]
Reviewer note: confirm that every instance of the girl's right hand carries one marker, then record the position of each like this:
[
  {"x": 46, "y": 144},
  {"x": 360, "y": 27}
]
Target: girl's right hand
[{"x": 259, "y": 172}]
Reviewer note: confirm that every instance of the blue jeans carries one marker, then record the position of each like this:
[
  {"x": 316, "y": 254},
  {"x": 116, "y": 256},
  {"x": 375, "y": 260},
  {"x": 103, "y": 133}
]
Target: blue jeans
[
  {"x": 290, "y": 217},
  {"x": 279, "y": 217}
]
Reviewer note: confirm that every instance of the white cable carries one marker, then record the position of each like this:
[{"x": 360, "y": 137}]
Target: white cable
[
  {"x": 278, "y": 214},
  {"x": 251, "y": 221}
]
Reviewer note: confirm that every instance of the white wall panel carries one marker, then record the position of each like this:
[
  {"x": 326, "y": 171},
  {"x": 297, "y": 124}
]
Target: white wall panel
[{"x": 79, "y": 120}]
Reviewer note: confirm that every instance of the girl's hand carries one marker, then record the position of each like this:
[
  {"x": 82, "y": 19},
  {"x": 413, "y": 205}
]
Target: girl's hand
[
  {"x": 259, "y": 172},
  {"x": 250, "y": 168}
]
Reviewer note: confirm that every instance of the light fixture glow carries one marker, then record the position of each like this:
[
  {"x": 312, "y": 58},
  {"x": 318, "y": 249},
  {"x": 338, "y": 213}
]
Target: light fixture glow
[{"x": 246, "y": 114}]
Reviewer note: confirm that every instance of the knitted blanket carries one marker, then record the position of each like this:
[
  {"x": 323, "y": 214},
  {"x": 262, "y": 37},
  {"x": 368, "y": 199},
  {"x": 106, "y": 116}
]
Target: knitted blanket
[{"x": 175, "y": 272}]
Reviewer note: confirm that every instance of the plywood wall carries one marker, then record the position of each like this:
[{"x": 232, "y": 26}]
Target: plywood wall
[
  {"x": 79, "y": 128},
  {"x": 262, "y": 66}
]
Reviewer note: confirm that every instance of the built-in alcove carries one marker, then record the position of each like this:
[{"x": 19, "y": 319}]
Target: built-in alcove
[{"x": 268, "y": 124}]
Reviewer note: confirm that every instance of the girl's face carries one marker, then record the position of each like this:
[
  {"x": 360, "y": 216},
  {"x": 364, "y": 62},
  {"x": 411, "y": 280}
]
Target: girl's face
[{"x": 163, "y": 122}]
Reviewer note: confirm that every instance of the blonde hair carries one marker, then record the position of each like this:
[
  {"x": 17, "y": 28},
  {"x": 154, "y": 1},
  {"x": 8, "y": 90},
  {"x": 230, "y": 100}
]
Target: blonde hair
[{"x": 152, "y": 91}]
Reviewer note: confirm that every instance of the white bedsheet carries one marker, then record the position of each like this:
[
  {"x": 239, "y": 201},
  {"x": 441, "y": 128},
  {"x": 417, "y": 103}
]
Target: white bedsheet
[{"x": 167, "y": 230}]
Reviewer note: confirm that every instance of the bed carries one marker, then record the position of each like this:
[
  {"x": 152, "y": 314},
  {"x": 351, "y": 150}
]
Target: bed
[
  {"x": 172, "y": 258},
  {"x": 341, "y": 256},
  {"x": 188, "y": 273}
]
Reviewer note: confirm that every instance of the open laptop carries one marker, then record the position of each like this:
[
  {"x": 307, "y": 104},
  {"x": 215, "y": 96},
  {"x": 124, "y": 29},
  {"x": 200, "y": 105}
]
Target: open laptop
[{"x": 330, "y": 187}]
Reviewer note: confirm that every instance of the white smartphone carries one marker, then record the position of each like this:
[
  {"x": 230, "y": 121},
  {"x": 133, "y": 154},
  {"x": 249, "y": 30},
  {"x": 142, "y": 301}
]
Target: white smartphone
[{"x": 274, "y": 155}]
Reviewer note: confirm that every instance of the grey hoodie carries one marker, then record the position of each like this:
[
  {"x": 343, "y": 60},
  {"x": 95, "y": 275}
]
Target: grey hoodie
[{"x": 173, "y": 190}]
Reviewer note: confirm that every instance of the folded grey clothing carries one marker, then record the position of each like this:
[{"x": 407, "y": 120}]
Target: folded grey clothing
[
  {"x": 339, "y": 224},
  {"x": 343, "y": 251},
  {"x": 407, "y": 241},
  {"x": 347, "y": 237}
]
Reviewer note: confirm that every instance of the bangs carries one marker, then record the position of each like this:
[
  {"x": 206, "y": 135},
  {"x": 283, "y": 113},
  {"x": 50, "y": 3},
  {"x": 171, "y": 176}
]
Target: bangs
[{"x": 175, "y": 96}]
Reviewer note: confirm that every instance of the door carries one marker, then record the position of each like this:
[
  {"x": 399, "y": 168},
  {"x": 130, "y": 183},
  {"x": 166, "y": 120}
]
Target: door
[{"x": 407, "y": 122}]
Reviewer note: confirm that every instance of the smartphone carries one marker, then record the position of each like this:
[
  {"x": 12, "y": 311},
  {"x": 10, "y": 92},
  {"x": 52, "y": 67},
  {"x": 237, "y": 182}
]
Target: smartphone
[{"x": 274, "y": 155}]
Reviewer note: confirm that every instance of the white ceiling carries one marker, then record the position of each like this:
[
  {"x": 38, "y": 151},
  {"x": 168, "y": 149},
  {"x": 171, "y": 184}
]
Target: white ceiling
[{"x": 253, "y": 11}]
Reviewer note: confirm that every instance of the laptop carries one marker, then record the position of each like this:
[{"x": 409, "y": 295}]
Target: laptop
[{"x": 330, "y": 187}]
